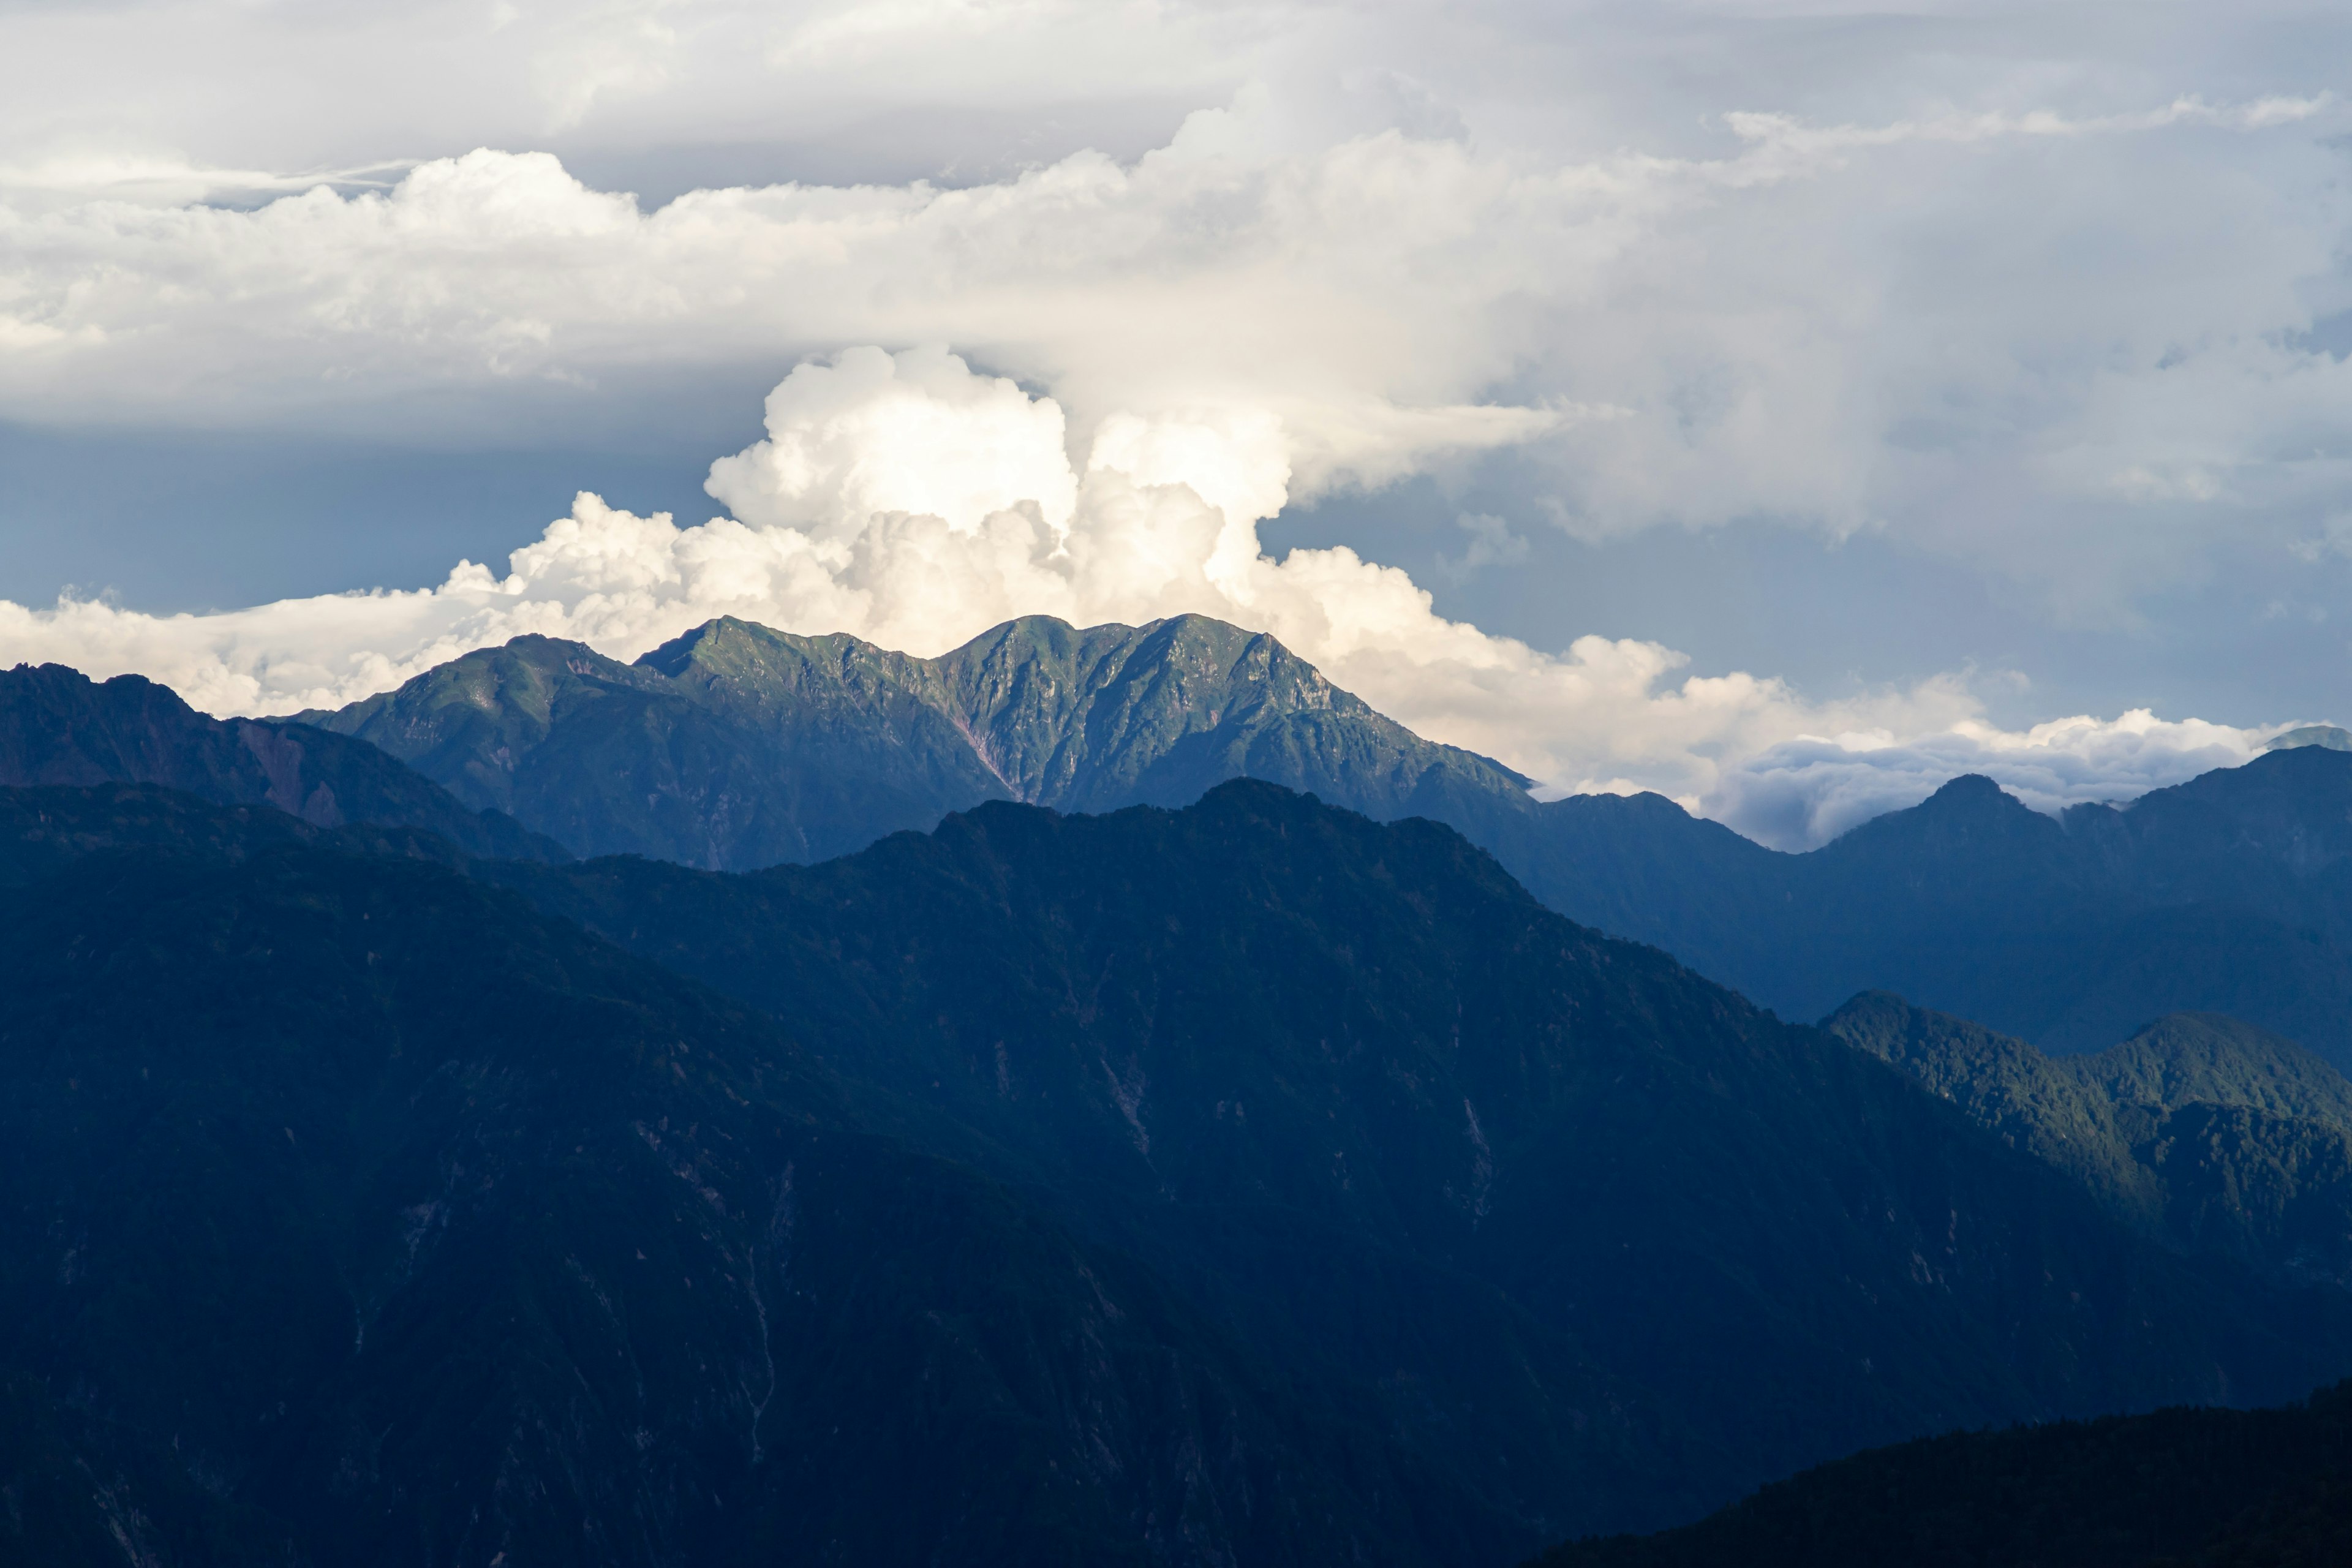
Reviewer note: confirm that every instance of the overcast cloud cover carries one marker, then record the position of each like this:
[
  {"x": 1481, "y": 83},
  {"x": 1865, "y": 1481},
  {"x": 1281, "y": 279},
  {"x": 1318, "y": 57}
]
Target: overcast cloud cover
[{"x": 1063, "y": 303}]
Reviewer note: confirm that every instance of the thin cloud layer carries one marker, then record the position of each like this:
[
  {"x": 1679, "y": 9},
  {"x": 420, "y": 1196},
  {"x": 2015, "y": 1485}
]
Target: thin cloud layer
[{"x": 911, "y": 501}]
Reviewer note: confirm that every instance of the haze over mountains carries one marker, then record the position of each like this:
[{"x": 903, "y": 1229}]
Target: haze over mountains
[{"x": 1153, "y": 1162}]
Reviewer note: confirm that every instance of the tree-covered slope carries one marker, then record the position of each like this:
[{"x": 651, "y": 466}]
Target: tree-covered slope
[
  {"x": 58, "y": 727},
  {"x": 2211, "y": 1134},
  {"x": 352, "y": 1212},
  {"x": 2174, "y": 1489},
  {"x": 736, "y": 747},
  {"x": 2221, "y": 1060},
  {"x": 1595, "y": 1233}
]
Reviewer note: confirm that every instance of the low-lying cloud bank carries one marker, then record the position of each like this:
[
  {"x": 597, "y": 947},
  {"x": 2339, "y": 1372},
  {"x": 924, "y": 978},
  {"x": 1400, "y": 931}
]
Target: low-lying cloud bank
[{"x": 909, "y": 501}]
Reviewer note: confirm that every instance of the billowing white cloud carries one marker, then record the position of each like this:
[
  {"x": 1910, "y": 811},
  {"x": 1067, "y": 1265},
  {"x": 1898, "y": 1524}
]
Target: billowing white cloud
[
  {"x": 2012, "y": 292},
  {"x": 911, "y": 501},
  {"x": 2098, "y": 332}
]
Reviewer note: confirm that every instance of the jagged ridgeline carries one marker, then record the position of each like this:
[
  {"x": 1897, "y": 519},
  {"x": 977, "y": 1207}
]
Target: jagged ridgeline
[{"x": 737, "y": 747}]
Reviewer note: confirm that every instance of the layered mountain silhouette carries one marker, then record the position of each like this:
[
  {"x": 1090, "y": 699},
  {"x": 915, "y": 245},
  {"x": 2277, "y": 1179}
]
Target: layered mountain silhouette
[
  {"x": 1259, "y": 1180},
  {"x": 2176, "y": 1489},
  {"x": 736, "y": 747},
  {"x": 2230, "y": 894},
  {"x": 59, "y": 727},
  {"x": 1356, "y": 1092}
]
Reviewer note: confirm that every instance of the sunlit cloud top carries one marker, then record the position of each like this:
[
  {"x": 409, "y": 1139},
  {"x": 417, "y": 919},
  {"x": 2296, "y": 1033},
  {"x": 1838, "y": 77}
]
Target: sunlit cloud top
[{"x": 1082, "y": 296}]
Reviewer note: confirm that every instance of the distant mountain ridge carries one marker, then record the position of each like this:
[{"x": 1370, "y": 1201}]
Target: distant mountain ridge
[
  {"x": 735, "y": 747},
  {"x": 2230, "y": 894},
  {"x": 59, "y": 727}
]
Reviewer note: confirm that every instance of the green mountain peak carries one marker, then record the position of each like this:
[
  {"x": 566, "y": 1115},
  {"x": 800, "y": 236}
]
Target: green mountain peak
[{"x": 735, "y": 745}]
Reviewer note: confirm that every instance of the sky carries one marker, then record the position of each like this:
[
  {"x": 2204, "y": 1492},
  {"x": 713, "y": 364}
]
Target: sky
[{"x": 1781, "y": 407}]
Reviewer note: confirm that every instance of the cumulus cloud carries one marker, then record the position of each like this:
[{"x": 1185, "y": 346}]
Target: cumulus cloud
[
  {"x": 2110, "y": 345},
  {"x": 2034, "y": 311},
  {"x": 909, "y": 501}
]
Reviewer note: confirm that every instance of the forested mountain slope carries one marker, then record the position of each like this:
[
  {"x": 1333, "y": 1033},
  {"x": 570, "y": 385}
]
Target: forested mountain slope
[
  {"x": 1382, "y": 1113},
  {"x": 352, "y": 1212},
  {"x": 2211, "y": 1134}
]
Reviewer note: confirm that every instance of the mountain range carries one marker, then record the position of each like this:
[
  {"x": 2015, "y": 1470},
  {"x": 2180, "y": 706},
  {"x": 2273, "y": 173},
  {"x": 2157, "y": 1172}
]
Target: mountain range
[
  {"x": 1237, "y": 1167},
  {"x": 735, "y": 747},
  {"x": 2230, "y": 894},
  {"x": 59, "y": 727},
  {"x": 1142, "y": 1160}
]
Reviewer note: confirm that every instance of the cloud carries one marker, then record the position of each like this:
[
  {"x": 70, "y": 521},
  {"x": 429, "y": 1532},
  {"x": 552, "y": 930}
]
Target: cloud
[
  {"x": 910, "y": 501},
  {"x": 1492, "y": 544},
  {"x": 1982, "y": 328},
  {"x": 2011, "y": 298}
]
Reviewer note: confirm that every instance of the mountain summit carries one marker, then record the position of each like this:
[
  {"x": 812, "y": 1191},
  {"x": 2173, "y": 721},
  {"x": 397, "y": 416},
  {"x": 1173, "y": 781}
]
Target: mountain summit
[{"x": 736, "y": 746}]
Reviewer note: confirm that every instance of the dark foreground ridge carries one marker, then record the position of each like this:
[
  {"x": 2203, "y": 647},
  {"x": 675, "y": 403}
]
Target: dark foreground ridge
[
  {"x": 1251, "y": 1183},
  {"x": 351, "y": 1213},
  {"x": 2179, "y": 1489},
  {"x": 1600, "y": 1239}
]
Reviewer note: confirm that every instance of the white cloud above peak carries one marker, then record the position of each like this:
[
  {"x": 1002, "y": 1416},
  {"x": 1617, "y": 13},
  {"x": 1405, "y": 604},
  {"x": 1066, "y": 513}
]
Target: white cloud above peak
[
  {"x": 907, "y": 500},
  {"x": 2058, "y": 303}
]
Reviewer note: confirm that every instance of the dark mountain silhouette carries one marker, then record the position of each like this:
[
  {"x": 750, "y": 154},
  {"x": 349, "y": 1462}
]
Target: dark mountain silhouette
[
  {"x": 58, "y": 727},
  {"x": 737, "y": 747},
  {"x": 1257, "y": 1164},
  {"x": 2231, "y": 894},
  {"x": 2176, "y": 1489},
  {"x": 352, "y": 1212},
  {"x": 1353, "y": 1089}
]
